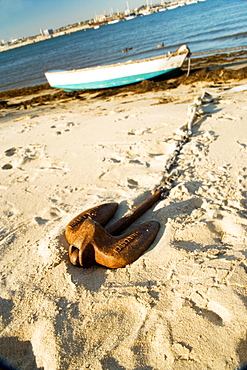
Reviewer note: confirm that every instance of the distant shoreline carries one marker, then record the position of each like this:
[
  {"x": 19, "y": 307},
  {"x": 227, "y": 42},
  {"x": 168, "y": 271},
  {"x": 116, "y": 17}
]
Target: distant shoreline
[
  {"x": 95, "y": 23},
  {"x": 41, "y": 38}
]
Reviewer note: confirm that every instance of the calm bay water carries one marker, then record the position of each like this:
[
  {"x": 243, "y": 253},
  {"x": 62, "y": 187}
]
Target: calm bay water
[{"x": 204, "y": 26}]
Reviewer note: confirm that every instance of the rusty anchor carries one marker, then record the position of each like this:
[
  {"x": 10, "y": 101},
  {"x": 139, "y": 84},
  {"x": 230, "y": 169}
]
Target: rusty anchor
[{"x": 91, "y": 243}]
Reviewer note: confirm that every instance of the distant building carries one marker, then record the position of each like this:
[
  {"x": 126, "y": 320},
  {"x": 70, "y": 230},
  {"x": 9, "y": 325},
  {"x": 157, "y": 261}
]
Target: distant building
[
  {"x": 46, "y": 32},
  {"x": 3, "y": 43}
]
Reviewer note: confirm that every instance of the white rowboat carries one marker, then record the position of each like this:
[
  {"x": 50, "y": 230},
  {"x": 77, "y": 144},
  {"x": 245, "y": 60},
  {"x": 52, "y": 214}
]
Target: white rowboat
[{"x": 117, "y": 74}]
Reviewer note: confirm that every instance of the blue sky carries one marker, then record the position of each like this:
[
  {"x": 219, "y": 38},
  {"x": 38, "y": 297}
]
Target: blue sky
[{"x": 20, "y": 18}]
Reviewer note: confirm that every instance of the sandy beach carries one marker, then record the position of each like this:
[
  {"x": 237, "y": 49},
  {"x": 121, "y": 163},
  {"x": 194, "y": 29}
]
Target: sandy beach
[{"x": 183, "y": 303}]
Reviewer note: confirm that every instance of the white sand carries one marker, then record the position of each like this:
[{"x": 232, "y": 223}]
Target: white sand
[{"x": 182, "y": 305}]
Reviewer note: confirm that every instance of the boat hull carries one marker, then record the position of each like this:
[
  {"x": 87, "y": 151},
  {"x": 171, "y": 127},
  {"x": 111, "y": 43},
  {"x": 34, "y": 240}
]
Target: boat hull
[
  {"x": 121, "y": 81},
  {"x": 116, "y": 74}
]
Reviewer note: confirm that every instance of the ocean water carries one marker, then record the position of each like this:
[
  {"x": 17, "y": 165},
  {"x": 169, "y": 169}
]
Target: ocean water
[{"x": 205, "y": 26}]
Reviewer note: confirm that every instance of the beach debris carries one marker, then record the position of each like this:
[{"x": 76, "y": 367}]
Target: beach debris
[
  {"x": 90, "y": 243},
  {"x": 228, "y": 91},
  {"x": 194, "y": 111}
]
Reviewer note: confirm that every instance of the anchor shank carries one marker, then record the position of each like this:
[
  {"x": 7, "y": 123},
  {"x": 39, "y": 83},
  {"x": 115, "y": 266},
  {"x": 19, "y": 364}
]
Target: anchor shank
[{"x": 117, "y": 227}]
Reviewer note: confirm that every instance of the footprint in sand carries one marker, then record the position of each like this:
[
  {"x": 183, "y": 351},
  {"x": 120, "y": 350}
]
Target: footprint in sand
[
  {"x": 140, "y": 131},
  {"x": 62, "y": 128},
  {"x": 119, "y": 320},
  {"x": 28, "y": 125},
  {"x": 242, "y": 180},
  {"x": 7, "y": 166},
  {"x": 132, "y": 183},
  {"x": 228, "y": 116},
  {"x": 9, "y": 153},
  {"x": 212, "y": 311},
  {"x": 43, "y": 339},
  {"x": 22, "y": 156},
  {"x": 242, "y": 143},
  {"x": 48, "y": 215}
]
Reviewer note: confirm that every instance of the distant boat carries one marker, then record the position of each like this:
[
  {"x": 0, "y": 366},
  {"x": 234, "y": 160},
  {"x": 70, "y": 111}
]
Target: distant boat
[
  {"x": 128, "y": 14},
  {"x": 113, "y": 21},
  {"x": 117, "y": 74},
  {"x": 131, "y": 16},
  {"x": 146, "y": 11},
  {"x": 172, "y": 7}
]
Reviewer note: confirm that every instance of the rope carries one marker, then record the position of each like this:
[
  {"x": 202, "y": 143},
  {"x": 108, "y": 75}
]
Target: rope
[
  {"x": 188, "y": 72},
  {"x": 229, "y": 91}
]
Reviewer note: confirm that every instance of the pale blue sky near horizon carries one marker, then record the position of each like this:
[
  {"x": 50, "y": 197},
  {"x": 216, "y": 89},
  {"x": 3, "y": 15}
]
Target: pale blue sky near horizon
[{"x": 21, "y": 18}]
